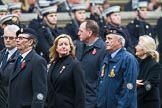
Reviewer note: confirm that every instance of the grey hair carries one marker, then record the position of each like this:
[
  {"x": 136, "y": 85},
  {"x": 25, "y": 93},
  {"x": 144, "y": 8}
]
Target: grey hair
[
  {"x": 12, "y": 28},
  {"x": 122, "y": 39}
]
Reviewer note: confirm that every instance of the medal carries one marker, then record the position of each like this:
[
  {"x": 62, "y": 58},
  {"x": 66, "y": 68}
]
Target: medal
[
  {"x": 112, "y": 72},
  {"x": 103, "y": 70}
]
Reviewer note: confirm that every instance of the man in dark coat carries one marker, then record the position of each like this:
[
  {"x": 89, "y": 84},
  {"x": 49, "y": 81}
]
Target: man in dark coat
[
  {"x": 48, "y": 32},
  {"x": 7, "y": 56},
  {"x": 113, "y": 19},
  {"x": 28, "y": 81},
  {"x": 118, "y": 74},
  {"x": 90, "y": 51},
  {"x": 139, "y": 26}
]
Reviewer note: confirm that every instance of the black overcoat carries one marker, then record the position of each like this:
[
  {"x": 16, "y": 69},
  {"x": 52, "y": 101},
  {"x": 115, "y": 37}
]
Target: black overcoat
[
  {"x": 67, "y": 88},
  {"x": 28, "y": 83}
]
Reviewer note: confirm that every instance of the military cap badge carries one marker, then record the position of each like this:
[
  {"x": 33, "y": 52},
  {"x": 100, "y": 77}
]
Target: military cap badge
[
  {"x": 14, "y": 19},
  {"x": 111, "y": 31},
  {"x": 21, "y": 30}
]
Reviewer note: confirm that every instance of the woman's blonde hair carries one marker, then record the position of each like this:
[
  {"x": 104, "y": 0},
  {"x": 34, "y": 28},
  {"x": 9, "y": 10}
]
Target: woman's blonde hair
[
  {"x": 149, "y": 46},
  {"x": 54, "y": 54}
]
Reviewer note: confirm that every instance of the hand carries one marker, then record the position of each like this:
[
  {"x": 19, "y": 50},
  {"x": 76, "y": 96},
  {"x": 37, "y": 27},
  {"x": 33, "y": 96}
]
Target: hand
[{"x": 139, "y": 83}]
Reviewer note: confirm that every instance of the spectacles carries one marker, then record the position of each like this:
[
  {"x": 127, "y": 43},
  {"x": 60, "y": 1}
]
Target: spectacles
[
  {"x": 21, "y": 38},
  {"x": 8, "y": 37}
]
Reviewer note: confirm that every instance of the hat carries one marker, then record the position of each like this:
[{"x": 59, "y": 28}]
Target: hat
[
  {"x": 78, "y": 7},
  {"x": 29, "y": 31},
  {"x": 10, "y": 19},
  {"x": 53, "y": 2},
  {"x": 97, "y": 2},
  {"x": 111, "y": 10},
  {"x": 49, "y": 10},
  {"x": 141, "y": 4},
  {"x": 117, "y": 31},
  {"x": 3, "y": 8},
  {"x": 42, "y": 4},
  {"x": 14, "y": 6}
]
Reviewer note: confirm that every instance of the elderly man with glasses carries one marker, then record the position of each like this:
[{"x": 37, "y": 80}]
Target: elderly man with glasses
[
  {"x": 28, "y": 81},
  {"x": 7, "y": 56}
]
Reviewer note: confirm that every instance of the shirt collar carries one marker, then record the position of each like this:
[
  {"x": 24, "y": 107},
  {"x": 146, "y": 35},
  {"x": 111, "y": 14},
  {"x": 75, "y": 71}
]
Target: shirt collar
[
  {"x": 24, "y": 54},
  {"x": 92, "y": 42},
  {"x": 114, "y": 53},
  {"x": 11, "y": 52}
]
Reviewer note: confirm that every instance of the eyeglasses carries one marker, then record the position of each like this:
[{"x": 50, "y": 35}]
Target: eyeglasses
[
  {"x": 8, "y": 37},
  {"x": 21, "y": 38}
]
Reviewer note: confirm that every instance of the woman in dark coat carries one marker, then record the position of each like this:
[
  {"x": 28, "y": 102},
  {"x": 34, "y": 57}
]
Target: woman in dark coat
[
  {"x": 149, "y": 76},
  {"x": 66, "y": 79}
]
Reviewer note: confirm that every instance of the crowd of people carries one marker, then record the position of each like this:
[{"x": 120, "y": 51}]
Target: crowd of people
[{"x": 90, "y": 63}]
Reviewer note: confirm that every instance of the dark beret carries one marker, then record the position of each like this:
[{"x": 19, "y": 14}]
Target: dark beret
[
  {"x": 29, "y": 31},
  {"x": 117, "y": 31}
]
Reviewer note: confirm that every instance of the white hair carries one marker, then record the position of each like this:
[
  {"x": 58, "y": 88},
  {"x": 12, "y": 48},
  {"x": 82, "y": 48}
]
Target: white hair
[
  {"x": 12, "y": 28},
  {"x": 122, "y": 39}
]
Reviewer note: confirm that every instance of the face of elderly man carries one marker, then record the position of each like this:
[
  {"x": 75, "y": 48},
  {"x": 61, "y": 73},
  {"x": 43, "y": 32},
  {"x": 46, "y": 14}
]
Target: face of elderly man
[
  {"x": 113, "y": 42},
  {"x": 9, "y": 39},
  {"x": 24, "y": 43}
]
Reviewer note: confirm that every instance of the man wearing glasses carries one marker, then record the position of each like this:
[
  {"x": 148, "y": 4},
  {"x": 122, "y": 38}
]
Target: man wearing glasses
[
  {"x": 28, "y": 81},
  {"x": 7, "y": 56}
]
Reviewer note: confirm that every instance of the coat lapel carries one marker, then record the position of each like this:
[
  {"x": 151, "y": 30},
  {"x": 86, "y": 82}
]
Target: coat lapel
[
  {"x": 49, "y": 74},
  {"x": 62, "y": 69},
  {"x": 118, "y": 55},
  {"x": 2, "y": 54},
  {"x": 12, "y": 58},
  {"x": 80, "y": 50},
  {"x": 20, "y": 68}
]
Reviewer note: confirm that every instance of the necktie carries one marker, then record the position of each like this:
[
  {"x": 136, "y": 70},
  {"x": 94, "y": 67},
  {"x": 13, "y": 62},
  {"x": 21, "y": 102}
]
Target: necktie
[
  {"x": 19, "y": 60},
  {"x": 4, "y": 61}
]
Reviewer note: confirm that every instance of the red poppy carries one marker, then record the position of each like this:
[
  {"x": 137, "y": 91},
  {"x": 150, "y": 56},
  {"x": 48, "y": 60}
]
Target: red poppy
[
  {"x": 94, "y": 51},
  {"x": 23, "y": 64}
]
